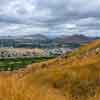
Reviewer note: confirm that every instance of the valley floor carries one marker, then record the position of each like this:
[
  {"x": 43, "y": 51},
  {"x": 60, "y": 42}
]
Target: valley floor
[{"x": 75, "y": 76}]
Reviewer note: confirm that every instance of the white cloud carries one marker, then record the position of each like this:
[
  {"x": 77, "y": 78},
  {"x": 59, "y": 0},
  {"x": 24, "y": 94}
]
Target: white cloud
[
  {"x": 48, "y": 16},
  {"x": 71, "y": 26}
]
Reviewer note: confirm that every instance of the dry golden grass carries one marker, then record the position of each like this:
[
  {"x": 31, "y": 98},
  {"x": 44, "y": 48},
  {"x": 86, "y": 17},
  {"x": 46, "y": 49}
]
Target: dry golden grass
[{"x": 75, "y": 76}]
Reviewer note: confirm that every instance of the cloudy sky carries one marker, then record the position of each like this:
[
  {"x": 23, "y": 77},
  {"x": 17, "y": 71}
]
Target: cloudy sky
[{"x": 50, "y": 17}]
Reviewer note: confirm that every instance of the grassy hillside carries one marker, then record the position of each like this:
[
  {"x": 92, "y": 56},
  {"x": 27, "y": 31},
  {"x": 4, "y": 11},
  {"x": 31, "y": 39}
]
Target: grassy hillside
[{"x": 73, "y": 76}]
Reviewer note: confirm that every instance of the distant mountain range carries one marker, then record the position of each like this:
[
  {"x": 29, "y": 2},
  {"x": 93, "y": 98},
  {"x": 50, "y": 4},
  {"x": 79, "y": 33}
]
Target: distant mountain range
[
  {"x": 42, "y": 41},
  {"x": 74, "y": 39}
]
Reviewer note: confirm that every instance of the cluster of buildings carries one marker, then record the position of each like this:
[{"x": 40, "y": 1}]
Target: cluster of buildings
[
  {"x": 23, "y": 52},
  {"x": 57, "y": 51},
  {"x": 19, "y": 52}
]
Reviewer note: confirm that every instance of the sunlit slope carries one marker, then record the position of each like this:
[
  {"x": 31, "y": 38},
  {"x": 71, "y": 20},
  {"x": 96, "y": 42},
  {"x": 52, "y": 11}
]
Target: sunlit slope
[{"x": 73, "y": 76}]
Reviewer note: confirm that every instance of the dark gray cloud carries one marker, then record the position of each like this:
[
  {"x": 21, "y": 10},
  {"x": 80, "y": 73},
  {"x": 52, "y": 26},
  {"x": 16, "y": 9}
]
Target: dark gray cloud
[{"x": 50, "y": 17}]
